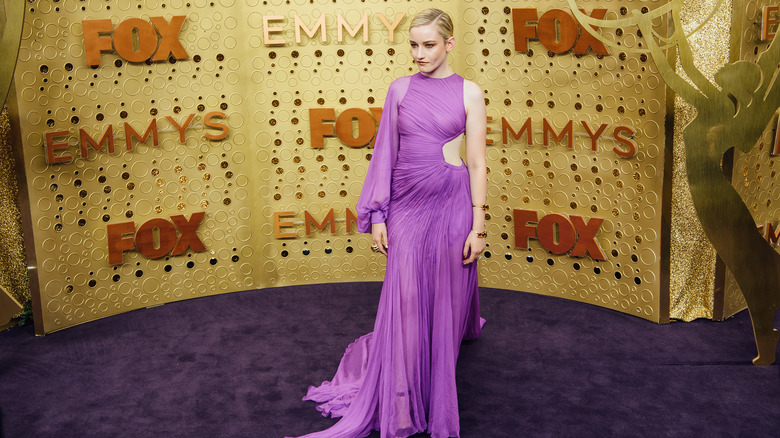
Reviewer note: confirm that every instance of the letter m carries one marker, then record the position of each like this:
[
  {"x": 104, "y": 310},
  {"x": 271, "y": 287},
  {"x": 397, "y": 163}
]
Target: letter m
[
  {"x": 567, "y": 130},
  {"x": 131, "y": 134},
  {"x": 330, "y": 218},
  {"x": 87, "y": 140},
  {"x": 506, "y": 128},
  {"x": 772, "y": 235},
  {"x": 319, "y": 25},
  {"x": 342, "y": 23}
]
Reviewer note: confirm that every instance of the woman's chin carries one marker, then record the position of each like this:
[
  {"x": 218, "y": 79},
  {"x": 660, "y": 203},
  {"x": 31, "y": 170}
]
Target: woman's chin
[{"x": 425, "y": 68}]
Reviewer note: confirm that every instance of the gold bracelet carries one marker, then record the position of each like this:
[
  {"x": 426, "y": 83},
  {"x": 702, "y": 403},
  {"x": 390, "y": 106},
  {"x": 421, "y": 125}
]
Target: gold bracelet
[
  {"x": 483, "y": 206},
  {"x": 482, "y": 234}
]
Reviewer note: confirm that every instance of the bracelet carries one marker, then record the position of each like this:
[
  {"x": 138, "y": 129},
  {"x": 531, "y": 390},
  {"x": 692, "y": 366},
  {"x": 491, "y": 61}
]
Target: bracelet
[
  {"x": 483, "y": 206},
  {"x": 482, "y": 234}
]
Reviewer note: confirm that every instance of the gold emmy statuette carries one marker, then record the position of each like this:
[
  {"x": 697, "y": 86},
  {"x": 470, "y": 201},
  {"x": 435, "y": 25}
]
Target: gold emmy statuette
[{"x": 732, "y": 114}]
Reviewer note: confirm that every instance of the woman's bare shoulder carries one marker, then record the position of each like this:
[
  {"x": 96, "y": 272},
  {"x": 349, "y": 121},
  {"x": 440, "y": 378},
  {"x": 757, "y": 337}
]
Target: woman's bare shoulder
[{"x": 472, "y": 93}]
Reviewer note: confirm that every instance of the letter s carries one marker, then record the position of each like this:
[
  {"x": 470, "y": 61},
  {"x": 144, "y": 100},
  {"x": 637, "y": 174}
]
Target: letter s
[{"x": 211, "y": 124}]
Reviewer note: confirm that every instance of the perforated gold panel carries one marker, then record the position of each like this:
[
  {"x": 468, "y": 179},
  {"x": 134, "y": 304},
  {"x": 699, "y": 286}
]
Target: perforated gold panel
[
  {"x": 268, "y": 157},
  {"x": 617, "y": 89}
]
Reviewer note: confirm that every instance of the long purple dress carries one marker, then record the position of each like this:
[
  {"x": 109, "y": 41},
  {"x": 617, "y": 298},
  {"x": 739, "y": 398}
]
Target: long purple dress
[{"x": 400, "y": 378}]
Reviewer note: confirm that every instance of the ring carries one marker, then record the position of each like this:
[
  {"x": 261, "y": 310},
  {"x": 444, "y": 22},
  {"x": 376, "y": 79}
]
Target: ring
[
  {"x": 375, "y": 248},
  {"x": 479, "y": 257}
]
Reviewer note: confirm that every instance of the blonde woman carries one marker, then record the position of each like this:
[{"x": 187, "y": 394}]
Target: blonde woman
[{"x": 424, "y": 208}]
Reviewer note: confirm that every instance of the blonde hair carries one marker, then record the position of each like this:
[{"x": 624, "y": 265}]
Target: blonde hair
[{"x": 441, "y": 19}]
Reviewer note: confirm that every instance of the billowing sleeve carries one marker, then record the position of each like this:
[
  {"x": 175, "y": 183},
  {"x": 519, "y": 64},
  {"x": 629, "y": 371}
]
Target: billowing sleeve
[{"x": 372, "y": 207}]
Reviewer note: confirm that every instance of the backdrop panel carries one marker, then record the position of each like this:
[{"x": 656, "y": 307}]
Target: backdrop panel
[{"x": 180, "y": 149}]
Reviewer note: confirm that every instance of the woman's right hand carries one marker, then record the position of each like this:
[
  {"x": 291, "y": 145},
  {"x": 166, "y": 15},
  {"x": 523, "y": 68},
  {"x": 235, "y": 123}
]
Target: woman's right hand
[{"x": 379, "y": 235}]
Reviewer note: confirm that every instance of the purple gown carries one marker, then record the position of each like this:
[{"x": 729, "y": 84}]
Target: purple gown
[{"x": 400, "y": 379}]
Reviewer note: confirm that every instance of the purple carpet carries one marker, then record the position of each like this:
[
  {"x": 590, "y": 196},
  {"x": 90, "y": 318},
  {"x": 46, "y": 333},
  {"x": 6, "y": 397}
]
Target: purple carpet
[{"x": 237, "y": 365}]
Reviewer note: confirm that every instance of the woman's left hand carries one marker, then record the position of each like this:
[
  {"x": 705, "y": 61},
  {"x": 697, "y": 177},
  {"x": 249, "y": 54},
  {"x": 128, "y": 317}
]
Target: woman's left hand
[{"x": 473, "y": 247}]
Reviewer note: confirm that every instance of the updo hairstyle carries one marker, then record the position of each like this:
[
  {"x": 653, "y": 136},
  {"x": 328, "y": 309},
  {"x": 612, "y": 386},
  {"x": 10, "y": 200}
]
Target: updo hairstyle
[{"x": 441, "y": 19}]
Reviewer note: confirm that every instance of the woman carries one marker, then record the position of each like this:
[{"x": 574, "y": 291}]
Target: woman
[{"x": 425, "y": 210}]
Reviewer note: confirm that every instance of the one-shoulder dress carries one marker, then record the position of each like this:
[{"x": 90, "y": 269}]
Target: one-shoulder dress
[{"x": 400, "y": 379}]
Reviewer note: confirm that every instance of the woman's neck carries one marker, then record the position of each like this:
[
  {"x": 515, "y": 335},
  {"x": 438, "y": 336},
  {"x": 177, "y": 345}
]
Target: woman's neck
[{"x": 444, "y": 72}]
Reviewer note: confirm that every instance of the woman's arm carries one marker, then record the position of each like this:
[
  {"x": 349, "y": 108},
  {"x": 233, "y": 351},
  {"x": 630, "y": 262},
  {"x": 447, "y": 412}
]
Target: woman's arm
[
  {"x": 372, "y": 207},
  {"x": 476, "y": 123}
]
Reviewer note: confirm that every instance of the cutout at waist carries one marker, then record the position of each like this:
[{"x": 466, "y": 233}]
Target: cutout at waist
[{"x": 451, "y": 151}]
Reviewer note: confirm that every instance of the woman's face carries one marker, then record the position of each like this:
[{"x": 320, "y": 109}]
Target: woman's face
[{"x": 429, "y": 49}]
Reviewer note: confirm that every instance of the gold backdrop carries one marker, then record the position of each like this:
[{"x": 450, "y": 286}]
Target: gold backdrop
[
  {"x": 692, "y": 257},
  {"x": 13, "y": 271},
  {"x": 263, "y": 98}
]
